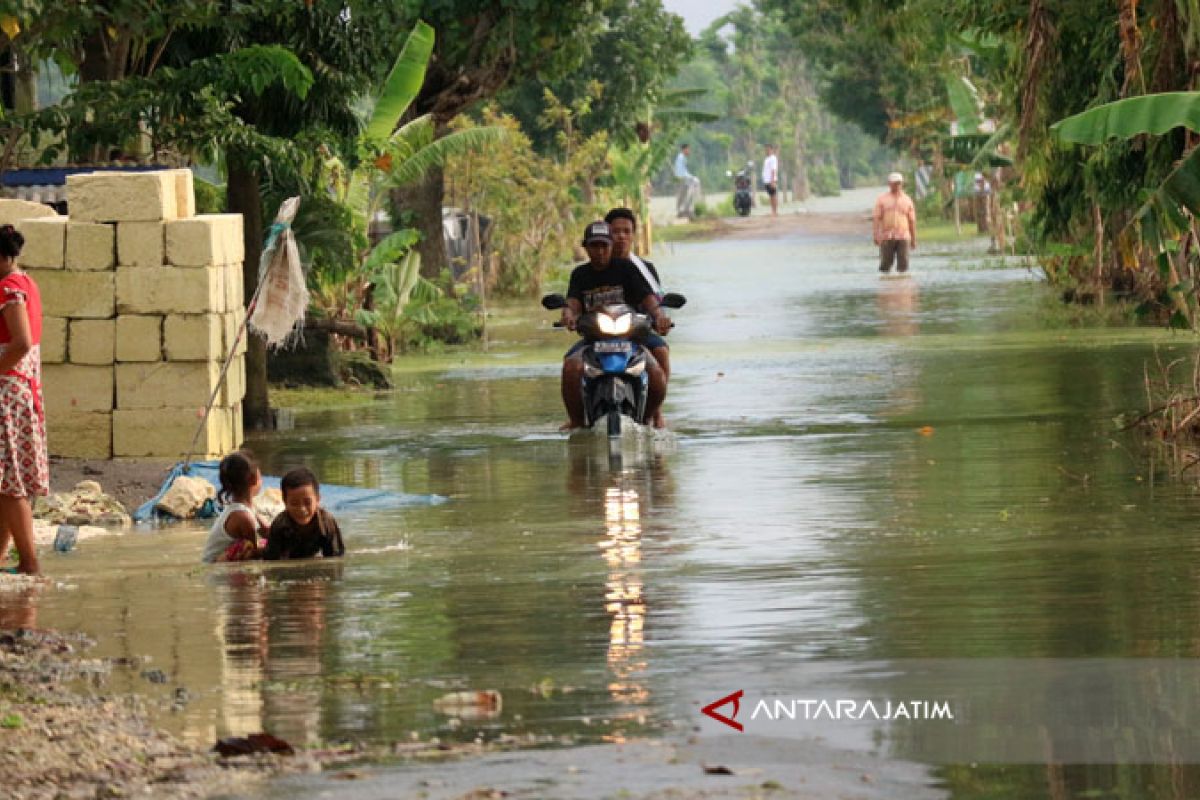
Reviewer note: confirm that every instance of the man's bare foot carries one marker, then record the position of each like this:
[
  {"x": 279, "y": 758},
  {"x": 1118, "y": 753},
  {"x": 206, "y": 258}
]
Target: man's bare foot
[
  {"x": 658, "y": 421},
  {"x": 568, "y": 426}
]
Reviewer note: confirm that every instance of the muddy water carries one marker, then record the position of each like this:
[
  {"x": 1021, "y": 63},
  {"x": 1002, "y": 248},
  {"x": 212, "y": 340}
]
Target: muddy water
[{"x": 861, "y": 470}]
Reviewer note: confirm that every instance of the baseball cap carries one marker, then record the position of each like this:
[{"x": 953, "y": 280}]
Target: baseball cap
[
  {"x": 895, "y": 177},
  {"x": 597, "y": 231}
]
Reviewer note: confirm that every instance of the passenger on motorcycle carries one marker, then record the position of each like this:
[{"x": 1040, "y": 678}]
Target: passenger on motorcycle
[
  {"x": 623, "y": 224},
  {"x": 605, "y": 280}
]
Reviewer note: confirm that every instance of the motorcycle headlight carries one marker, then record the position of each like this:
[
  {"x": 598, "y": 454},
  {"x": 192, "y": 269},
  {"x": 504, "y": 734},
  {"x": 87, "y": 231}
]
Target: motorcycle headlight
[
  {"x": 605, "y": 323},
  {"x": 623, "y": 324}
]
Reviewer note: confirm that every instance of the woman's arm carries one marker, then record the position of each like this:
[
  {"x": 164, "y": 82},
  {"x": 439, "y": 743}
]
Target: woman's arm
[{"x": 16, "y": 317}]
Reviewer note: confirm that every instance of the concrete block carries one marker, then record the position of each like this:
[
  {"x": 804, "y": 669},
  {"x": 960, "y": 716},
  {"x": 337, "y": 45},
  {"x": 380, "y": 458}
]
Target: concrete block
[
  {"x": 122, "y": 196},
  {"x": 14, "y": 211},
  {"x": 141, "y": 244},
  {"x": 185, "y": 193},
  {"x": 166, "y": 290},
  {"x": 205, "y": 240},
  {"x": 79, "y": 434},
  {"x": 78, "y": 295},
  {"x": 194, "y": 337},
  {"x": 232, "y": 322},
  {"x": 234, "y": 388},
  {"x": 92, "y": 341},
  {"x": 234, "y": 294},
  {"x": 168, "y": 432},
  {"x": 45, "y": 243},
  {"x": 71, "y": 387},
  {"x": 166, "y": 384},
  {"x": 139, "y": 338},
  {"x": 54, "y": 340},
  {"x": 91, "y": 246}
]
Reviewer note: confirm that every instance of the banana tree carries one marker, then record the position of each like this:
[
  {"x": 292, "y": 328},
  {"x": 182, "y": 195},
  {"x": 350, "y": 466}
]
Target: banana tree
[
  {"x": 392, "y": 154},
  {"x": 1170, "y": 209}
]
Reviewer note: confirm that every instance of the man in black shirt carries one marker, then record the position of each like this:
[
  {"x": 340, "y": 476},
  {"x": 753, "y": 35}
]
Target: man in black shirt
[{"x": 604, "y": 281}]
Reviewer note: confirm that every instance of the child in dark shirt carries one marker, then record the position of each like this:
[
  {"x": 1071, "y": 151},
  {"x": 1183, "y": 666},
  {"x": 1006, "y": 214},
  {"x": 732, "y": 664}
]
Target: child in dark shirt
[{"x": 303, "y": 529}]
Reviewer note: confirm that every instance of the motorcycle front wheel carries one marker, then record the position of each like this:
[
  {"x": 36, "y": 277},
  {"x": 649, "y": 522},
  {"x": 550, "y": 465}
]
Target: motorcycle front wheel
[{"x": 614, "y": 424}]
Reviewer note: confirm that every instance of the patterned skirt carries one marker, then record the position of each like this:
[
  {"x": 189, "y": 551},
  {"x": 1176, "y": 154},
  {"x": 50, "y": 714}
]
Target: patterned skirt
[{"x": 24, "y": 466}]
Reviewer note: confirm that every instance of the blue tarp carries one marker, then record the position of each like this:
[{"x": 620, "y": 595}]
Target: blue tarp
[{"x": 334, "y": 498}]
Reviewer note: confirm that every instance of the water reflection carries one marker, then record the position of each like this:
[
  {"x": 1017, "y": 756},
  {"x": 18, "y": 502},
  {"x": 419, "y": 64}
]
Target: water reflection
[
  {"x": 272, "y": 630},
  {"x": 19, "y": 607},
  {"x": 898, "y": 303}
]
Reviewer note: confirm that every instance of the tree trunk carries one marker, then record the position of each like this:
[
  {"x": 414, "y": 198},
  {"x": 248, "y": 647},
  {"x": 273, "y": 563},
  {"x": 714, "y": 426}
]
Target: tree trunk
[
  {"x": 424, "y": 202},
  {"x": 244, "y": 197}
]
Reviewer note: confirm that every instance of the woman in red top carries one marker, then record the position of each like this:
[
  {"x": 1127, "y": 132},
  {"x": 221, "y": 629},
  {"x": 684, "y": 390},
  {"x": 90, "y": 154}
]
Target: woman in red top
[{"x": 24, "y": 467}]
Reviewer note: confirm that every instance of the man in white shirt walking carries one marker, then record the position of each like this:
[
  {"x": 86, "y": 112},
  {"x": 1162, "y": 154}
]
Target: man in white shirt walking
[
  {"x": 689, "y": 185},
  {"x": 770, "y": 178}
]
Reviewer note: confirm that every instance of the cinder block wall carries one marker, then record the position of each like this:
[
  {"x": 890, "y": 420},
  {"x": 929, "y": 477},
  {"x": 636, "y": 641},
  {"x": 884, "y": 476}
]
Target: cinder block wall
[{"x": 141, "y": 299}]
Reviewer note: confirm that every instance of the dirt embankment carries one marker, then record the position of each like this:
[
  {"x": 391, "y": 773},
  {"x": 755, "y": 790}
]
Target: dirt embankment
[
  {"x": 132, "y": 482},
  {"x": 63, "y": 736}
]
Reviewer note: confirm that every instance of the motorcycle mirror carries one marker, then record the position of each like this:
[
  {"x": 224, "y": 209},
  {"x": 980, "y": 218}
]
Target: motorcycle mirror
[
  {"x": 673, "y": 300},
  {"x": 553, "y": 301}
]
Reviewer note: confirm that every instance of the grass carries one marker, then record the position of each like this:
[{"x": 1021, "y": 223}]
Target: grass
[
  {"x": 703, "y": 228},
  {"x": 943, "y": 232}
]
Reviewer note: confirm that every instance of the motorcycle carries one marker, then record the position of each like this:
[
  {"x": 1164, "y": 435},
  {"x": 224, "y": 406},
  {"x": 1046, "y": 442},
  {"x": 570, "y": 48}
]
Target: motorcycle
[
  {"x": 742, "y": 196},
  {"x": 615, "y": 382}
]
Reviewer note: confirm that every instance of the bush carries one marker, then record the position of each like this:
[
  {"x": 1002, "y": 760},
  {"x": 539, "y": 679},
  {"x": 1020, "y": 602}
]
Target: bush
[
  {"x": 823, "y": 181},
  {"x": 210, "y": 198}
]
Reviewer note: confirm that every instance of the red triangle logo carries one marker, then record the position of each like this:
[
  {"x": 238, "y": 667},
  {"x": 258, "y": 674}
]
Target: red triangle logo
[{"x": 710, "y": 710}]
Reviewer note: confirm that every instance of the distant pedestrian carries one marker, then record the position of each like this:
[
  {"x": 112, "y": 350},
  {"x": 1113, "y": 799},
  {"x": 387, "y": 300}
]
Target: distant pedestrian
[
  {"x": 770, "y": 178},
  {"x": 24, "y": 466},
  {"x": 689, "y": 185},
  {"x": 895, "y": 225}
]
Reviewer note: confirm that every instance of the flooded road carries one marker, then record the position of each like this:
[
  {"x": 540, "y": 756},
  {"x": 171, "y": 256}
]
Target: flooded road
[{"x": 862, "y": 470}]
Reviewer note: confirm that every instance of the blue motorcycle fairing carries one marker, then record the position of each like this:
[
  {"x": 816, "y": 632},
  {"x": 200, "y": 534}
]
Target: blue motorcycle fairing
[{"x": 613, "y": 363}]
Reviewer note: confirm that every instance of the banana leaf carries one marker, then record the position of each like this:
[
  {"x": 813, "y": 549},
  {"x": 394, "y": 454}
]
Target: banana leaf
[
  {"x": 1134, "y": 116},
  {"x": 964, "y": 102},
  {"x": 402, "y": 85},
  {"x": 1180, "y": 189}
]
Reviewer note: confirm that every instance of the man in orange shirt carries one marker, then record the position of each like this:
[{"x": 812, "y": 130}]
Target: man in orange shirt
[{"x": 895, "y": 225}]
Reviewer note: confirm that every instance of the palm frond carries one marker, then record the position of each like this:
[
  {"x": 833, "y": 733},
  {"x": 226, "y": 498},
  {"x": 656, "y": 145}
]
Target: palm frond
[{"x": 435, "y": 154}]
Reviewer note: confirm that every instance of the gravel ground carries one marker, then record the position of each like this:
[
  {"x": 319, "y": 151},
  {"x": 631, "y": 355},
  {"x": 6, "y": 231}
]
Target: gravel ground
[{"x": 63, "y": 737}]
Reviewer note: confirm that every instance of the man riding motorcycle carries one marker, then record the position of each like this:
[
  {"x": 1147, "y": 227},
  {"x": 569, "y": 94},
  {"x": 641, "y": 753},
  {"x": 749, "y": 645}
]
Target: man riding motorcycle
[
  {"x": 605, "y": 280},
  {"x": 623, "y": 224}
]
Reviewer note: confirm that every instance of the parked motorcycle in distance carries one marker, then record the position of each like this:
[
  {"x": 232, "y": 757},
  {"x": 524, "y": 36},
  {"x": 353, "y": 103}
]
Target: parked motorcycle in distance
[
  {"x": 742, "y": 196},
  {"x": 614, "y": 361}
]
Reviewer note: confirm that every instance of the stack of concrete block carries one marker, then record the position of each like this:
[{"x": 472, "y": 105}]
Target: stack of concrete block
[{"x": 141, "y": 300}]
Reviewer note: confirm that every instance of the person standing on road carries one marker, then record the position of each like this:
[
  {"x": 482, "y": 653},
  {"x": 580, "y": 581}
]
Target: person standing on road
[
  {"x": 689, "y": 185},
  {"x": 895, "y": 225},
  {"x": 770, "y": 178}
]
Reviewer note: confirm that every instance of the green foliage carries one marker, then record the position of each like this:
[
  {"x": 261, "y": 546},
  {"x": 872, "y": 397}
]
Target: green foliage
[
  {"x": 633, "y": 56},
  {"x": 765, "y": 91},
  {"x": 1148, "y": 114},
  {"x": 536, "y": 217},
  {"x": 210, "y": 198}
]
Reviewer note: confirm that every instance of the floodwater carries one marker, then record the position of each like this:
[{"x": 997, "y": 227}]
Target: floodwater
[{"x": 862, "y": 471}]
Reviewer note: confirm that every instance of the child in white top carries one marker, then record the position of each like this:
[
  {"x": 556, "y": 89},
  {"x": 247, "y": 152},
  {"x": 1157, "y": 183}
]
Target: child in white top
[{"x": 234, "y": 535}]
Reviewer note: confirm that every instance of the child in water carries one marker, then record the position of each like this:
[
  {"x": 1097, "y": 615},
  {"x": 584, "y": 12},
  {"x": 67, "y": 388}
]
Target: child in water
[
  {"x": 303, "y": 529},
  {"x": 234, "y": 536}
]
